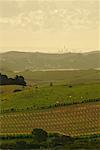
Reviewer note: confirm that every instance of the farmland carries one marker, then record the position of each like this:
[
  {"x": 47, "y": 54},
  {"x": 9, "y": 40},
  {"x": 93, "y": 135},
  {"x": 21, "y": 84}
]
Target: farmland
[
  {"x": 45, "y": 96},
  {"x": 70, "y": 105},
  {"x": 74, "y": 120}
]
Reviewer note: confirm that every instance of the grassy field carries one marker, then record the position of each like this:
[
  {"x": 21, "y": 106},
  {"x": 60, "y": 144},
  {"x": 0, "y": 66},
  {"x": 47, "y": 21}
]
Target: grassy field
[
  {"x": 73, "y": 120},
  {"x": 68, "y": 76},
  {"x": 46, "y": 95}
]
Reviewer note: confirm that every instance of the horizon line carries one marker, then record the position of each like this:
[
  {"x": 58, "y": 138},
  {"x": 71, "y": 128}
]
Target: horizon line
[{"x": 62, "y": 52}]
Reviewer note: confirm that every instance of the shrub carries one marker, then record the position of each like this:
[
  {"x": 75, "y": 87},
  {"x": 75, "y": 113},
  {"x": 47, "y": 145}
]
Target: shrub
[
  {"x": 17, "y": 90},
  {"x": 39, "y": 135}
]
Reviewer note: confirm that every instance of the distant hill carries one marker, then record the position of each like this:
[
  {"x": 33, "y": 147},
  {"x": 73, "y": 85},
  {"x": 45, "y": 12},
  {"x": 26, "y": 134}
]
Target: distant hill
[{"x": 20, "y": 61}]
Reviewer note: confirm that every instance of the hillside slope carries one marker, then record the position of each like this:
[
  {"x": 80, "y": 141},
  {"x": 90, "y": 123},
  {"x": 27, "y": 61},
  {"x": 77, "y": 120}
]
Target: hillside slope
[
  {"x": 20, "y": 61},
  {"x": 70, "y": 120}
]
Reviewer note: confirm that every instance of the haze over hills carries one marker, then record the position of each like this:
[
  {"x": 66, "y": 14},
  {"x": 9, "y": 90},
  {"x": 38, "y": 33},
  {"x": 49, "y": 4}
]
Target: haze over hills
[{"x": 20, "y": 61}]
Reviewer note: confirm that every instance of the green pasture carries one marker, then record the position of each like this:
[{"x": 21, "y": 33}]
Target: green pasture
[
  {"x": 47, "y": 95},
  {"x": 68, "y": 76}
]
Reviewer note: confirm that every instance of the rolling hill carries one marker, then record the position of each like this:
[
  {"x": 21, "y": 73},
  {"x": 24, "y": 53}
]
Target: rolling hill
[{"x": 21, "y": 61}]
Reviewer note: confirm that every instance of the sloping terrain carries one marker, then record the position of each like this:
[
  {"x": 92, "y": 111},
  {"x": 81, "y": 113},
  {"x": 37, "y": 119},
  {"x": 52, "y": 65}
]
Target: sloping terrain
[
  {"x": 74, "y": 120},
  {"x": 46, "y": 96},
  {"x": 20, "y": 61},
  {"x": 65, "y": 76}
]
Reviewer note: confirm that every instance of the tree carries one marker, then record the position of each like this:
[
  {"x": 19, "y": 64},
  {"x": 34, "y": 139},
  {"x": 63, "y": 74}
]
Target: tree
[
  {"x": 19, "y": 80},
  {"x": 39, "y": 135},
  {"x": 51, "y": 84},
  {"x": 3, "y": 79}
]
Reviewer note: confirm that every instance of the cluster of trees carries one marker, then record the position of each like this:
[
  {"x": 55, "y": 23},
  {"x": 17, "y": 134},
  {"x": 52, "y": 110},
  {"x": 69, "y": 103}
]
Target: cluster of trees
[
  {"x": 18, "y": 80},
  {"x": 40, "y": 139}
]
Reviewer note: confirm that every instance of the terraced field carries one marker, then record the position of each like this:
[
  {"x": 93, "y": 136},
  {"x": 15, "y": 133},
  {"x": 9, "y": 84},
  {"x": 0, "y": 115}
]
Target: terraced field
[{"x": 74, "y": 120}]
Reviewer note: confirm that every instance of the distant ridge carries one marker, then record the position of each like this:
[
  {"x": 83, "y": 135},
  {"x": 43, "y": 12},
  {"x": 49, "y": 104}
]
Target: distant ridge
[
  {"x": 20, "y": 61},
  {"x": 87, "y": 52}
]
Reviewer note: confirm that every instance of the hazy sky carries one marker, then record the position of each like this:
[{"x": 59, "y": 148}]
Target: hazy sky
[{"x": 49, "y": 25}]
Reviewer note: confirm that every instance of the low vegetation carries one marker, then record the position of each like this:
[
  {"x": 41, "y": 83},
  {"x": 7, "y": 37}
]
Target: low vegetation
[{"x": 40, "y": 139}]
